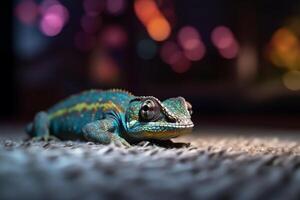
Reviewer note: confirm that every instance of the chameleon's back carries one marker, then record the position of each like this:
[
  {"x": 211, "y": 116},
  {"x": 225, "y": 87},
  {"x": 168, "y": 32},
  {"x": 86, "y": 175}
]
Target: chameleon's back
[
  {"x": 71, "y": 114},
  {"x": 119, "y": 97}
]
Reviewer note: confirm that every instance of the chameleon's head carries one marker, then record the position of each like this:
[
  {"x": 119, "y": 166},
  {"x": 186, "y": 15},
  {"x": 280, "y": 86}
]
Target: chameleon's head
[{"x": 147, "y": 117}]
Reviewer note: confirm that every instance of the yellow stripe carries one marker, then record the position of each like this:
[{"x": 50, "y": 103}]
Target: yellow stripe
[{"x": 84, "y": 106}]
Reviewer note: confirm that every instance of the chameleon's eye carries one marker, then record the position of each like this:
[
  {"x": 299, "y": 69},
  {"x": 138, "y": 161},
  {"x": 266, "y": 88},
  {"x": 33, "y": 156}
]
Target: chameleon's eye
[
  {"x": 149, "y": 110},
  {"x": 189, "y": 107}
]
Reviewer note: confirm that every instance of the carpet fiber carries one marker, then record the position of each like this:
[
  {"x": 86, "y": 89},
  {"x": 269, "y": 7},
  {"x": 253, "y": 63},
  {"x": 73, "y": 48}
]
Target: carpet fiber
[{"x": 215, "y": 166}]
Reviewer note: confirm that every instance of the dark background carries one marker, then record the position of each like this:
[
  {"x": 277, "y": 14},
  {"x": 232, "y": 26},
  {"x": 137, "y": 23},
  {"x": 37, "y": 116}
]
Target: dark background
[{"x": 258, "y": 85}]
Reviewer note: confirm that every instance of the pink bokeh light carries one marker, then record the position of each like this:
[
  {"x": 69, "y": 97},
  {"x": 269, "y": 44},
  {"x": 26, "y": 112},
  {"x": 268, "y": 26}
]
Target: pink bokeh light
[
  {"x": 45, "y": 4},
  {"x": 60, "y": 11},
  {"x": 168, "y": 50},
  {"x": 222, "y": 37},
  {"x": 180, "y": 63},
  {"x": 171, "y": 54},
  {"x": 27, "y": 11},
  {"x": 196, "y": 53},
  {"x": 188, "y": 37},
  {"x": 51, "y": 24},
  {"x": 53, "y": 20},
  {"x": 190, "y": 40},
  {"x": 113, "y": 36},
  {"x": 231, "y": 51}
]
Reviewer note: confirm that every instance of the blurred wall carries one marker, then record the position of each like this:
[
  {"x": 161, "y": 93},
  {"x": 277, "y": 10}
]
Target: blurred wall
[{"x": 226, "y": 57}]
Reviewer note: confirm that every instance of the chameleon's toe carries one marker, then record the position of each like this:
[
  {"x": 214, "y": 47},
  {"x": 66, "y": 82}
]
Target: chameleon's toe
[
  {"x": 45, "y": 138},
  {"x": 52, "y": 137},
  {"x": 117, "y": 140},
  {"x": 36, "y": 138}
]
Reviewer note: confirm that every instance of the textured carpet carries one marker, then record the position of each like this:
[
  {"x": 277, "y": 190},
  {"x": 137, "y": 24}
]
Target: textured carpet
[{"x": 214, "y": 167}]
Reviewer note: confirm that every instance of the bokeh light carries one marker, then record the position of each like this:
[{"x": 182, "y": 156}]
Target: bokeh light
[
  {"x": 231, "y": 51},
  {"x": 188, "y": 37},
  {"x": 60, "y": 10},
  {"x": 29, "y": 42},
  {"x": 93, "y": 7},
  {"x": 45, "y": 4},
  {"x": 146, "y": 10},
  {"x": 146, "y": 49},
  {"x": 197, "y": 53},
  {"x": 284, "y": 40},
  {"x": 156, "y": 24},
  {"x": 190, "y": 40},
  {"x": 247, "y": 63},
  {"x": 171, "y": 54},
  {"x": 51, "y": 24},
  {"x": 27, "y": 11},
  {"x": 291, "y": 80},
  {"x": 159, "y": 29},
  {"x": 222, "y": 37},
  {"x": 179, "y": 62},
  {"x": 115, "y": 7},
  {"x": 90, "y": 24},
  {"x": 113, "y": 36},
  {"x": 104, "y": 69},
  {"x": 284, "y": 49},
  {"x": 224, "y": 40},
  {"x": 53, "y": 20},
  {"x": 167, "y": 51}
]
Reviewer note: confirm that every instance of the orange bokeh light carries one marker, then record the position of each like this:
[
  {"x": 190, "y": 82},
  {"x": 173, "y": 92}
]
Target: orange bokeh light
[
  {"x": 146, "y": 10},
  {"x": 104, "y": 69},
  {"x": 284, "y": 40},
  {"x": 291, "y": 80},
  {"x": 284, "y": 49},
  {"x": 159, "y": 29},
  {"x": 156, "y": 24}
]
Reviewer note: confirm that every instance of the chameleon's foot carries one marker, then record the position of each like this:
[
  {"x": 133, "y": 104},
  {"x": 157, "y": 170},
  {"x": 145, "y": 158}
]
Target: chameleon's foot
[
  {"x": 45, "y": 138},
  {"x": 118, "y": 141},
  {"x": 101, "y": 131},
  {"x": 144, "y": 144}
]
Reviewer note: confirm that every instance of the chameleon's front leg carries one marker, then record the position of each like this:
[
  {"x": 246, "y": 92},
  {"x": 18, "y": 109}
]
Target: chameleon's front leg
[
  {"x": 102, "y": 131},
  {"x": 39, "y": 129}
]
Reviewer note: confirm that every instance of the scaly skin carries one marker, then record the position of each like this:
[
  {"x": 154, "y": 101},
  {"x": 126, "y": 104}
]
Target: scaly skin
[{"x": 113, "y": 115}]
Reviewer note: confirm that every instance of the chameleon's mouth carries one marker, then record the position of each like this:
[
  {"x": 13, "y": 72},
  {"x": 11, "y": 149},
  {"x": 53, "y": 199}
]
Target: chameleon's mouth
[
  {"x": 166, "y": 130},
  {"x": 176, "y": 125},
  {"x": 179, "y": 123},
  {"x": 161, "y": 130},
  {"x": 158, "y": 126}
]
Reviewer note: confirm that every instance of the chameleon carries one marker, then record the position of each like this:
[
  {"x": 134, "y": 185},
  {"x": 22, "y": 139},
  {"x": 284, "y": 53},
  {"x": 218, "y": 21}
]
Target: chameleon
[{"x": 115, "y": 115}]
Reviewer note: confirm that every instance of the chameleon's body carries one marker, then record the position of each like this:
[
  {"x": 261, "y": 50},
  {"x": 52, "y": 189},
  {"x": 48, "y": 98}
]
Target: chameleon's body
[{"x": 113, "y": 115}]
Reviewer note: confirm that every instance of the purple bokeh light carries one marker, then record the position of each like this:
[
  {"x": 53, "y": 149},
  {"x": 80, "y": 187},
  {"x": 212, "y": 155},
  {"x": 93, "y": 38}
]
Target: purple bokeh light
[
  {"x": 90, "y": 24},
  {"x": 27, "y": 12},
  {"x": 115, "y": 7},
  {"x": 93, "y": 7}
]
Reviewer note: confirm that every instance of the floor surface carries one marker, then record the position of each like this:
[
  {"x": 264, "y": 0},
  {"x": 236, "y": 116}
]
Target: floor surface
[{"x": 221, "y": 163}]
